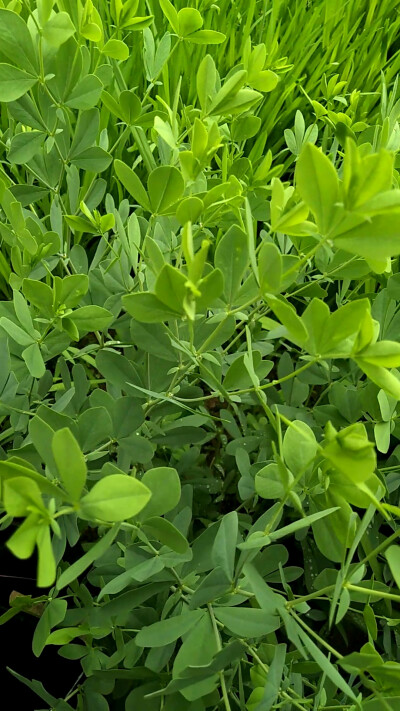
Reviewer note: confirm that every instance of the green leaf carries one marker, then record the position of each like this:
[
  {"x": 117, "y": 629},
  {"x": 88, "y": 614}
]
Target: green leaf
[
  {"x": 165, "y": 186},
  {"x": 232, "y": 258},
  {"x": 91, "y": 318},
  {"x": 86, "y": 131},
  {"x": 14, "y": 82},
  {"x": 85, "y": 94},
  {"x": 212, "y": 587},
  {"x": 269, "y": 483},
  {"x": 147, "y": 569},
  {"x": 364, "y": 177},
  {"x": 299, "y": 447},
  {"x": 375, "y": 238},
  {"x": 166, "y": 631},
  {"x": 170, "y": 288},
  {"x": 266, "y": 597},
  {"x": 58, "y": 29},
  {"x": 19, "y": 494},
  {"x": 392, "y": 555},
  {"x": 272, "y": 686},
  {"x": 16, "y": 333},
  {"x": 118, "y": 370},
  {"x": 351, "y": 453},
  {"x": 189, "y": 210},
  {"x": 246, "y": 127},
  {"x": 92, "y": 31},
  {"x": 206, "y": 81},
  {"x": 348, "y": 327},
  {"x": 238, "y": 376},
  {"x": 206, "y": 37},
  {"x": 382, "y": 433},
  {"x": 324, "y": 664},
  {"x": 38, "y": 689},
  {"x": 96, "y": 551},
  {"x": 70, "y": 328},
  {"x": 73, "y": 288},
  {"x": 198, "y": 650},
  {"x": 247, "y": 622},
  {"x": 224, "y": 547},
  {"x": 130, "y": 106},
  {"x": 210, "y": 288},
  {"x": 12, "y": 469},
  {"x": 70, "y": 462},
  {"x": 166, "y": 533},
  {"x": 95, "y": 426},
  {"x": 34, "y": 360},
  {"x": 138, "y": 23},
  {"x": 16, "y": 41},
  {"x": 116, "y": 49},
  {"x": 146, "y": 308},
  {"x": 80, "y": 224},
  {"x": 300, "y": 523},
  {"x": 23, "y": 313},
  {"x": 115, "y": 498},
  {"x": 318, "y": 185},
  {"x": 53, "y": 614},
  {"x": 189, "y": 20},
  {"x": 265, "y": 81},
  {"x": 287, "y": 315},
  {"x": 251, "y": 239},
  {"x": 316, "y": 318},
  {"x": 383, "y": 353},
  {"x": 22, "y": 542},
  {"x": 170, "y": 13},
  {"x": 243, "y": 101},
  {"x": 269, "y": 268},
  {"x": 131, "y": 182},
  {"x": 28, "y": 194},
  {"x": 165, "y": 486},
  {"x": 384, "y": 703},
  {"x": 228, "y": 92},
  {"x": 46, "y": 573},
  {"x": 44, "y": 10},
  {"x": 64, "y": 636},
  {"x": 25, "y": 145},
  {"x": 95, "y": 159},
  {"x": 380, "y": 376}
]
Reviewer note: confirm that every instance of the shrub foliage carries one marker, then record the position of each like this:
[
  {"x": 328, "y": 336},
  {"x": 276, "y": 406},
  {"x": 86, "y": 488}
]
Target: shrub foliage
[{"x": 199, "y": 338}]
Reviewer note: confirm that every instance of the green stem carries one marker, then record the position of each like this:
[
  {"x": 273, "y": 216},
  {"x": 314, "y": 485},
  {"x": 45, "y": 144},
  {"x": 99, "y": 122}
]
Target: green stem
[
  {"x": 219, "y": 647},
  {"x": 265, "y": 669},
  {"x": 311, "y": 596},
  {"x": 279, "y": 380},
  {"x": 263, "y": 402},
  {"x": 304, "y": 259},
  {"x": 378, "y": 549},
  {"x": 250, "y": 317},
  {"x": 147, "y": 156},
  {"x": 208, "y": 340},
  {"x": 245, "y": 391},
  {"x": 373, "y": 593},
  {"x": 316, "y": 636},
  {"x": 153, "y": 81}
]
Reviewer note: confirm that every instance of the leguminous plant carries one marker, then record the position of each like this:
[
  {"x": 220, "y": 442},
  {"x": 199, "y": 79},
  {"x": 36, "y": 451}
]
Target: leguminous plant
[{"x": 199, "y": 349}]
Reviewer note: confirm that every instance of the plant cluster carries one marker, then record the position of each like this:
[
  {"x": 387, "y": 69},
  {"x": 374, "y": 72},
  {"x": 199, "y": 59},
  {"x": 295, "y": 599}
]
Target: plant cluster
[{"x": 199, "y": 344}]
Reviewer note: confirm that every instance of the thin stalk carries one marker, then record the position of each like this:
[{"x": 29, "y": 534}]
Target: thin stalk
[
  {"x": 219, "y": 647},
  {"x": 373, "y": 593},
  {"x": 312, "y": 596},
  {"x": 316, "y": 636}
]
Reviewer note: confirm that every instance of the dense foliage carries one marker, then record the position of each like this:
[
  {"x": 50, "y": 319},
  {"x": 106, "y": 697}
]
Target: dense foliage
[{"x": 199, "y": 337}]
